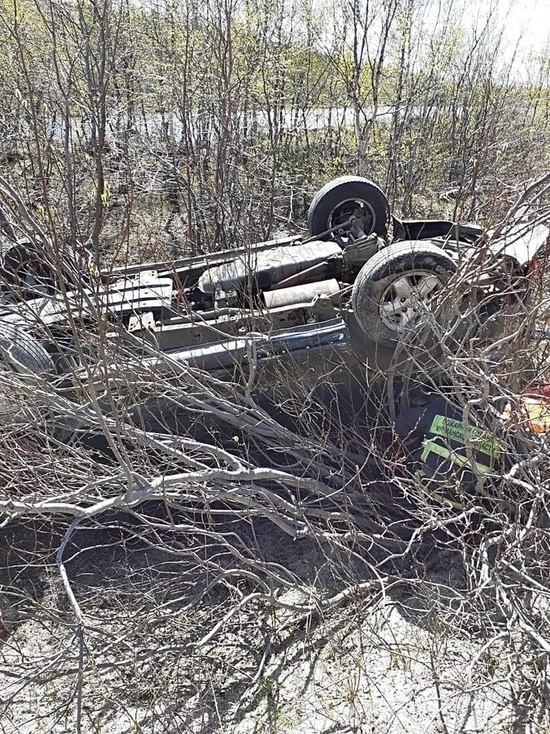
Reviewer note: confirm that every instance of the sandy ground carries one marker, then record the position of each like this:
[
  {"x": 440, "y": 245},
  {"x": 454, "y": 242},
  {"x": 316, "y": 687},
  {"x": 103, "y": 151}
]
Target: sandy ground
[{"x": 166, "y": 647}]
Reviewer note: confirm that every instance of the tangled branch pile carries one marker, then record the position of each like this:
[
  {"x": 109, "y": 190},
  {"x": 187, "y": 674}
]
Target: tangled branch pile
[{"x": 168, "y": 515}]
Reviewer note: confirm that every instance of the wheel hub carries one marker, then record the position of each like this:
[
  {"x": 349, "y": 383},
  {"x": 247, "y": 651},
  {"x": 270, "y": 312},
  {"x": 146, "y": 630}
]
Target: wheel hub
[
  {"x": 407, "y": 298},
  {"x": 361, "y": 211}
]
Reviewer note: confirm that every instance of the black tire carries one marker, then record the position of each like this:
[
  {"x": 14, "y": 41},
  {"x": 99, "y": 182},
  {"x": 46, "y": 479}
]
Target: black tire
[
  {"x": 27, "y": 274},
  {"x": 22, "y": 352},
  {"x": 396, "y": 285},
  {"x": 346, "y": 197}
]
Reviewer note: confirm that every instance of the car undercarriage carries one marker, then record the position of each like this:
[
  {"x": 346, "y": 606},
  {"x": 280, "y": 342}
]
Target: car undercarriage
[{"x": 350, "y": 293}]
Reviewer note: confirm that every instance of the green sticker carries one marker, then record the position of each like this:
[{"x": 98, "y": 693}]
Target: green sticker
[{"x": 455, "y": 430}]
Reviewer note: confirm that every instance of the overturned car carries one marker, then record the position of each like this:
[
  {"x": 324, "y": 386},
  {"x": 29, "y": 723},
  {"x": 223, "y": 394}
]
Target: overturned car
[{"x": 358, "y": 286}]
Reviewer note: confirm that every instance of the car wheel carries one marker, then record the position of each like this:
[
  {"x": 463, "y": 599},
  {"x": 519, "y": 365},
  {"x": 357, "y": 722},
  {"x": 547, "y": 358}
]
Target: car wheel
[
  {"x": 22, "y": 352},
  {"x": 396, "y": 286},
  {"x": 346, "y": 198},
  {"x": 26, "y": 274}
]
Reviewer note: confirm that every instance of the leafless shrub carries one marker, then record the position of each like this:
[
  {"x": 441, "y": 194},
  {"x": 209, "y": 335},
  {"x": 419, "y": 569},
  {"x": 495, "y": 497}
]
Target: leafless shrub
[{"x": 172, "y": 515}]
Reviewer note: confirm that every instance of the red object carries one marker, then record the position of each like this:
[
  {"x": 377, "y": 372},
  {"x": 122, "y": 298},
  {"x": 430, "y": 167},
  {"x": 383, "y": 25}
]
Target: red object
[{"x": 541, "y": 390}]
